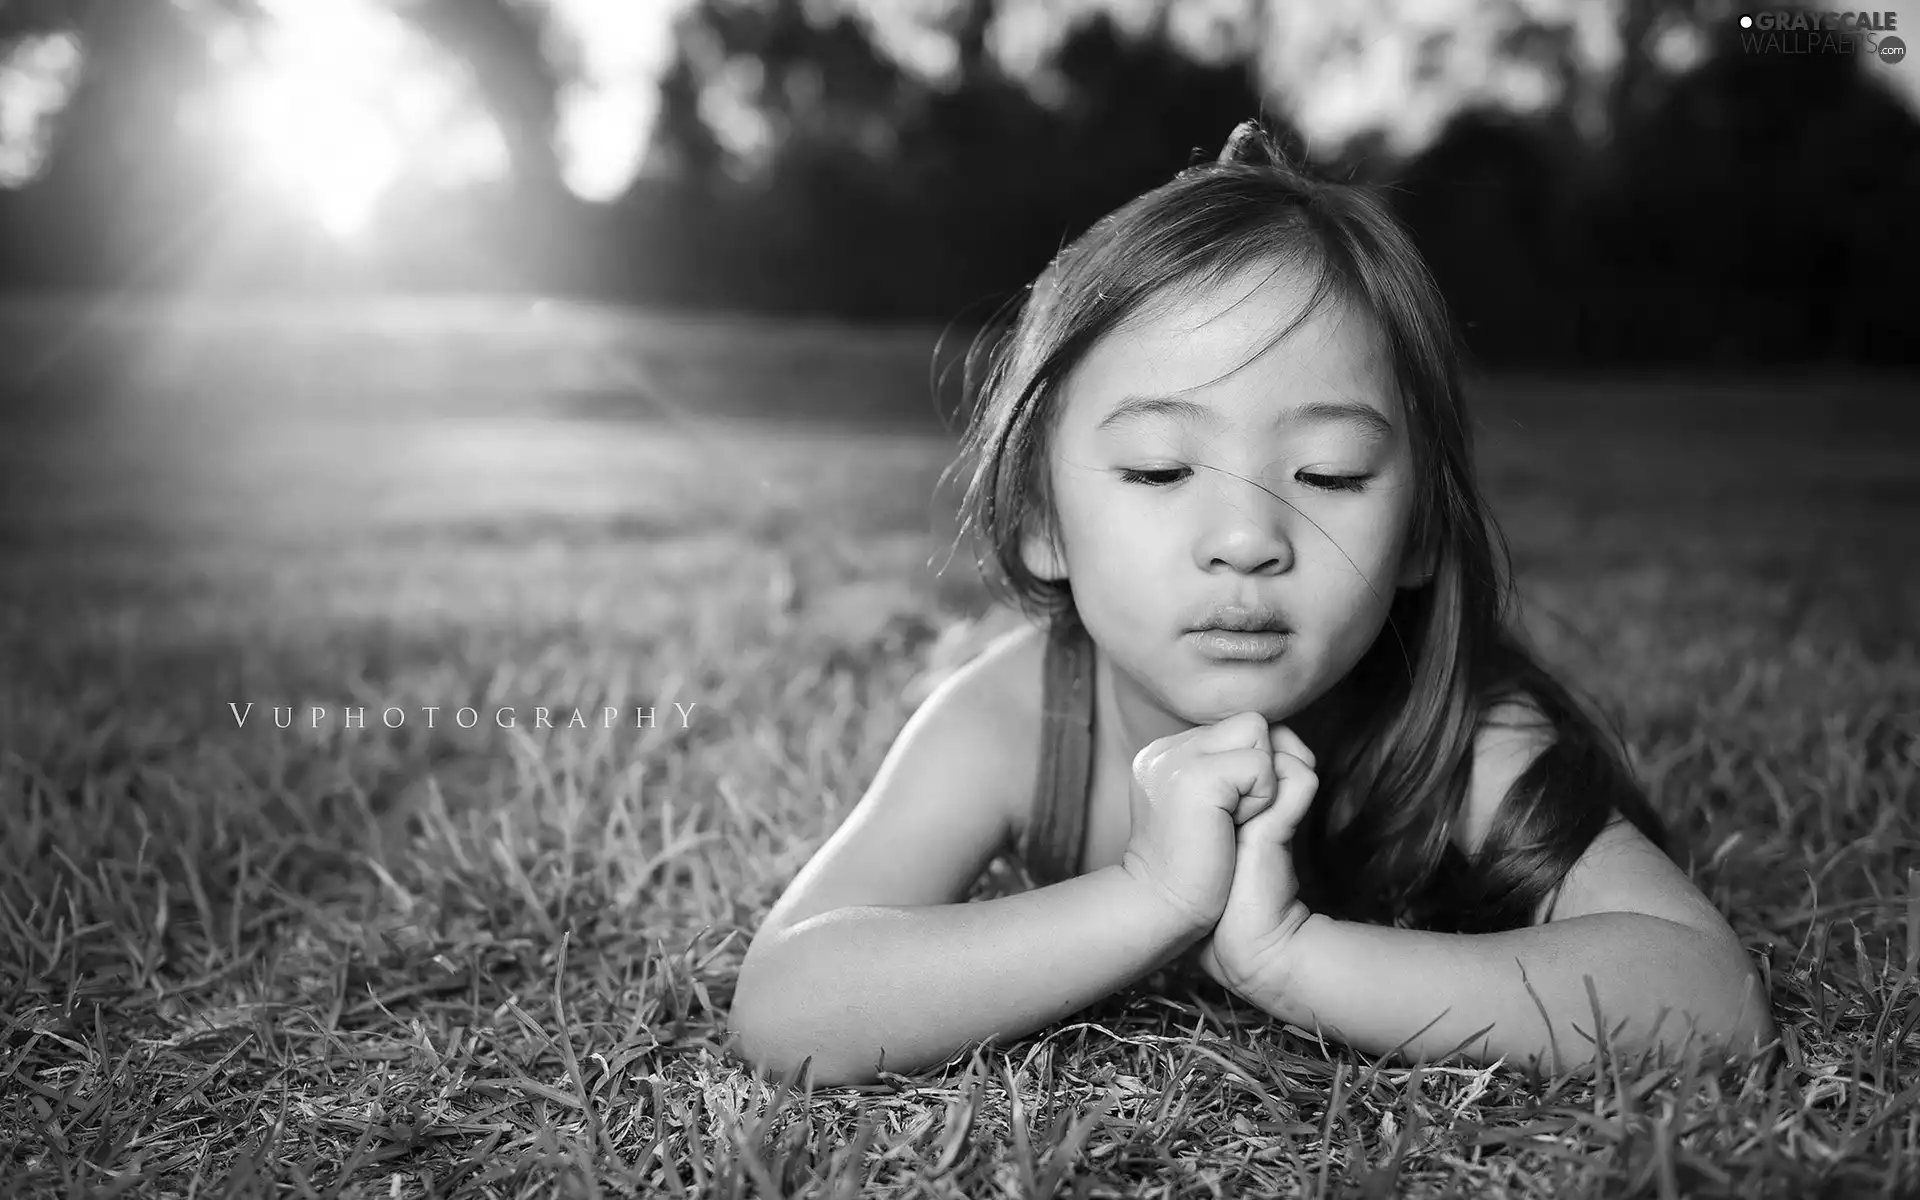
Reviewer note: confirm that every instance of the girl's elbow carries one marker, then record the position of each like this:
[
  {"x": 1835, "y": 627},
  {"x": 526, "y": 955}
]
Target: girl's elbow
[
  {"x": 753, "y": 1024},
  {"x": 800, "y": 1067},
  {"x": 1753, "y": 1027},
  {"x": 756, "y": 1038},
  {"x": 1720, "y": 1007},
  {"x": 773, "y": 1038},
  {"x": 1744, "y": 1015},
  {"x": 780, "y": 1053},
  {"x": 1739, "y": 1036},
  {"x": 1757, "y": 1035},
  {"x": 1744, "y": 1024}
]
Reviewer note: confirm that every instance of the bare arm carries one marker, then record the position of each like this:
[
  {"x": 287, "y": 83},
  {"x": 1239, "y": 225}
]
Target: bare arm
[
  {"x": 873, "y": 951},
  {"x": 916, "y": 984},
  {"x": 1625, "y": 916},
  {"x": 1375, "y": 987}
]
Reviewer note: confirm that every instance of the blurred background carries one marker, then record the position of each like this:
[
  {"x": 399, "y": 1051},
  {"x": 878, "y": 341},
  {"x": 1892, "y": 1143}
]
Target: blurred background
[
  {"x": 327, "y": 325},
  {"x": 1596, "y": 181}
]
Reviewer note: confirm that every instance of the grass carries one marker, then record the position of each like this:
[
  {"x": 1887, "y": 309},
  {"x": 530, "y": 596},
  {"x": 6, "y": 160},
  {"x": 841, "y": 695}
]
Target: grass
[{"x": 333, "y": 961}]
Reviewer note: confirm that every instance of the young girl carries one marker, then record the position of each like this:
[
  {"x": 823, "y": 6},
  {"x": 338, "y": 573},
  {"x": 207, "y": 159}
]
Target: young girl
[{"x": 1270, "y": 714}]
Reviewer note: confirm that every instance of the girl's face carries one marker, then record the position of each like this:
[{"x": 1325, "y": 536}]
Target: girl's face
[{"x": 1184, "y": 486}]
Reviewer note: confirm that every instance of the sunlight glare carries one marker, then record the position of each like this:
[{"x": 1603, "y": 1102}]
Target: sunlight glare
[
  {"x": 622, "y": 49},
  {"x": 336, "y": 154},
  {"x": 340, "y": 101}
]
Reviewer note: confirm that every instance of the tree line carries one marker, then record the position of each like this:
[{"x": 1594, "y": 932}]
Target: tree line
[{"x": 1751, "y": 209}]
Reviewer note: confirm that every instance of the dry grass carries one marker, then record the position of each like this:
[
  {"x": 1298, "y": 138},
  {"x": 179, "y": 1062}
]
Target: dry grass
[{"x": 412, "y": 961}]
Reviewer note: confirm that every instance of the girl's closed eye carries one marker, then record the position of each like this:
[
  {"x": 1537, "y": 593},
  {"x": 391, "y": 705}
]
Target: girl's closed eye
[
  {"x": 1333, "y": 483},
  {"x": 1153, "y": 476},
  {"x": 1167, "y": 476}
]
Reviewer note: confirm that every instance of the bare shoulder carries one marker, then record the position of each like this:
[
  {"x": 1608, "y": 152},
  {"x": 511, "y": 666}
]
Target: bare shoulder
[
  {"x": 944, "y": 801},
  {"x": 1016, "y": 653},
  {"x": 989, "y": 707},
  {"x": 1620, "y": 871},
  {"x": 1001, "y": 688},
  {"x": 1511, "y": 733},
  {"x": 965, "y": 642}
]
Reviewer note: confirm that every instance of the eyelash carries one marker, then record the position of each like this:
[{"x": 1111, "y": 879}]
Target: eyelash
[{"x": 1326, "y": 483}]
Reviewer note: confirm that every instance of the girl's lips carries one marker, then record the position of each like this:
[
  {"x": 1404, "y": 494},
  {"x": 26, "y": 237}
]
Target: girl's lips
[{"x": 1240, "y": 645}]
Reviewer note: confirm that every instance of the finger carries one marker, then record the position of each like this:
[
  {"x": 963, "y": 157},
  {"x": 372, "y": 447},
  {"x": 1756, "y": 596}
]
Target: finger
[
  {"x": 1286, "y": 741},
  {"x": 1274, "y": 819},
  {"x": 1231, "y": 733},
  {"x": 1252, "y": 782},
  {"x": 1289, "y": 766},
  {"x": 1252, "y": 804},
  {"x": 1294, "y": 790},
  {"x": 1260, "y": 840}
]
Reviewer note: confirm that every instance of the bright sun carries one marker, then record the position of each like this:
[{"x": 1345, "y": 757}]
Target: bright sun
[{"x": 336, "y": 103}]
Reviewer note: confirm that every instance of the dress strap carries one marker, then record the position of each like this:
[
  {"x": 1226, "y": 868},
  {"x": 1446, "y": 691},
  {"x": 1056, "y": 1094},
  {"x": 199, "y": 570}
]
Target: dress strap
[{"x": 1057, "y": 827}]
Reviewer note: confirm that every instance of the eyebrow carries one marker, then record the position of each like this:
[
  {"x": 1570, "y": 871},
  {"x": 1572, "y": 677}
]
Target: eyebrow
[{"x": 1314, "y": 412}]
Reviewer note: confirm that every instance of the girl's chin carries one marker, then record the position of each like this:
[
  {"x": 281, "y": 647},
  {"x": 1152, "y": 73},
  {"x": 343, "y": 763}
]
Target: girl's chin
[
  {"x": 1274, "y": 703},
  {"x": 1209, "y": 696}
]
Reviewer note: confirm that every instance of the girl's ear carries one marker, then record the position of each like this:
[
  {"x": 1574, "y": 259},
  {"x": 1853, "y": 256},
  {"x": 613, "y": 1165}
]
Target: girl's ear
[{"x": 1041, "y": 553}]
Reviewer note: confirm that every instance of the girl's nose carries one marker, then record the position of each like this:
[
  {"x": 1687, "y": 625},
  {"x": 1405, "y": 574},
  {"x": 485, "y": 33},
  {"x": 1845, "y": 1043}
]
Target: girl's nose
[{"x": 1246, "y": 531}]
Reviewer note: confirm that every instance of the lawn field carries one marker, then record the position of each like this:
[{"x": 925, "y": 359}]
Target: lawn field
[{"x": 416, "y": 957}]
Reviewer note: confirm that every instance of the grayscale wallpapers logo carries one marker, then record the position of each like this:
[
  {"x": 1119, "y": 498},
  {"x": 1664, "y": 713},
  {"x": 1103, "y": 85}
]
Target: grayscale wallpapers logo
[{"x": 1814, "y": 31}]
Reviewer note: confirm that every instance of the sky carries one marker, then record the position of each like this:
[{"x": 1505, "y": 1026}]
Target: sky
[{"x": 348, "y": 77}]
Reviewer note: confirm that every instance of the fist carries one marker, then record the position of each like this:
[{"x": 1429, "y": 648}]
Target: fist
[{"x": 1189, "y": 791}]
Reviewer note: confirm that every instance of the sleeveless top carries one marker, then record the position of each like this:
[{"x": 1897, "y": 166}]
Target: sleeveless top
[{"x": 1057, "y": 825}]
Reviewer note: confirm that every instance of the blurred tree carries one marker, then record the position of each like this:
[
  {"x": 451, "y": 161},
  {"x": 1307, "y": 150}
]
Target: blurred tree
[
  {"x": 1008, "y": 179},
  {"x": 1734, "y": 211},
  {"x": 789, "y": 206},
  {"x": 1146, "y": 109},
  {"x": 120, "y": 189},
  {"x": 501, "y": 42},
  {"x": 537, "y": 226},
  {"x": 1743, "y": 208},
  {"x": 1484, "y": 201},
  {"x": 682, "y": 146},
  {"x": 813, "y": 80},
  {"x": 21, "y": 18},
  {"x": 990, "y": 170},
  {"x": 1761, "y": 202},
  {"x": 893, "y": 195}
]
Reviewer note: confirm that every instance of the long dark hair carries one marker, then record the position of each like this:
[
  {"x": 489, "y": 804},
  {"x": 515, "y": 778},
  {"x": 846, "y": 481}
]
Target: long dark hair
[{"x": 1395, "y": 744}]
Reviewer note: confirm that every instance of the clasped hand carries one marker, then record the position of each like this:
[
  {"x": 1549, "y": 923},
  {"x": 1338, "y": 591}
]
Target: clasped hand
[{"x": 1215, "y": 810}]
